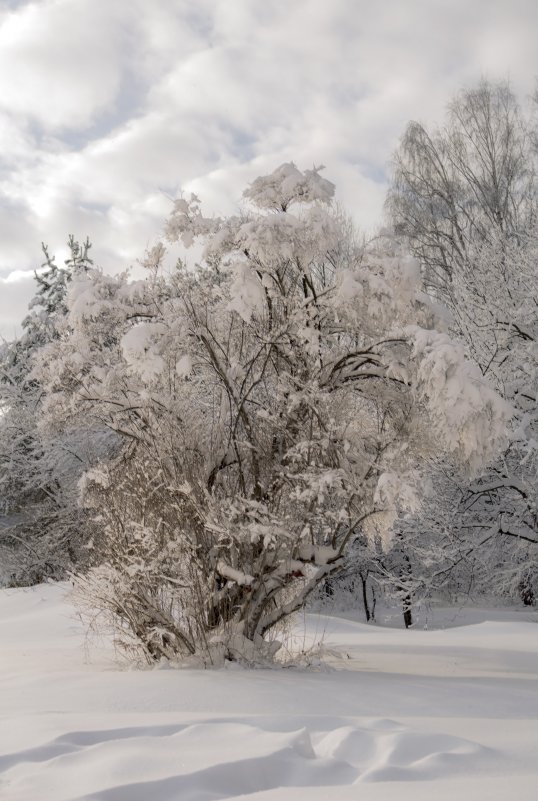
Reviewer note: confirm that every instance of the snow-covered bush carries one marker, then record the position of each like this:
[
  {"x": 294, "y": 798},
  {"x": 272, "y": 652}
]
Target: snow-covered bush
[{"x": 274, "y": 402}]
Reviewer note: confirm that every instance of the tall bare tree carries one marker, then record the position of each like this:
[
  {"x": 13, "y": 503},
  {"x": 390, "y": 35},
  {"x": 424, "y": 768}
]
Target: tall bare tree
[{"x": 462, "y": 185}]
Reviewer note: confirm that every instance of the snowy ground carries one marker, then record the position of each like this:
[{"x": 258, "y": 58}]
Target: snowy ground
[{"x": 421, "y": 715}]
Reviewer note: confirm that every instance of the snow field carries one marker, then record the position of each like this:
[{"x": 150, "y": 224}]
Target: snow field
[{"x": 401, "y": 715}]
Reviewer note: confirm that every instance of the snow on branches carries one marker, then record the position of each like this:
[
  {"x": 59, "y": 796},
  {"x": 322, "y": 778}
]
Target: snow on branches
[{"x": 264, "y": 398}]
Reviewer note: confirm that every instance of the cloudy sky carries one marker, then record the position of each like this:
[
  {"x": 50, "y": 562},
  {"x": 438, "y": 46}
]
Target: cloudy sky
[{"x": 109, "y": 108}]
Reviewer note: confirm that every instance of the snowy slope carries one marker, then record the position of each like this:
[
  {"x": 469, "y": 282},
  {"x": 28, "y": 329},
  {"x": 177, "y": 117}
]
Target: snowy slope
[{"x": 401, "y": 715}]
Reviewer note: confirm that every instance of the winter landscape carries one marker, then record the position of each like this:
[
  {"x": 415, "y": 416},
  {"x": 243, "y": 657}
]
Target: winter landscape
[{"x": 268, "y": 429}]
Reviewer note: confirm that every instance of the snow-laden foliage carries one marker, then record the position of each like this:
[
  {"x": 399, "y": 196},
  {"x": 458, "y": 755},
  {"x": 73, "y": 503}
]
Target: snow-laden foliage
[{"x": 274, "y": 403}]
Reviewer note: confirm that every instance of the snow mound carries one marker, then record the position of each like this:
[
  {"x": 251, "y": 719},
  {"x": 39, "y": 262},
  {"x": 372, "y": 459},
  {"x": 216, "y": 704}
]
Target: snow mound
[{"x": 225, "y": 759}]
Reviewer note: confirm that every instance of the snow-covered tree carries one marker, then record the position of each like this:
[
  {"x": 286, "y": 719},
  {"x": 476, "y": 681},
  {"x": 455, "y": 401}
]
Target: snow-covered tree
[
  {"x": 277, "y": 403},
  {"x": 464, "y": 198},
  {"x": 43, "y": 526}
]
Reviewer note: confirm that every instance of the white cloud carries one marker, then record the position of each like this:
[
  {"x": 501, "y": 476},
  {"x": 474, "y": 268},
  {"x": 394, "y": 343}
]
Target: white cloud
[
  {"x": 108, "y": 107},
  {"x": 60, "y": 61}
]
